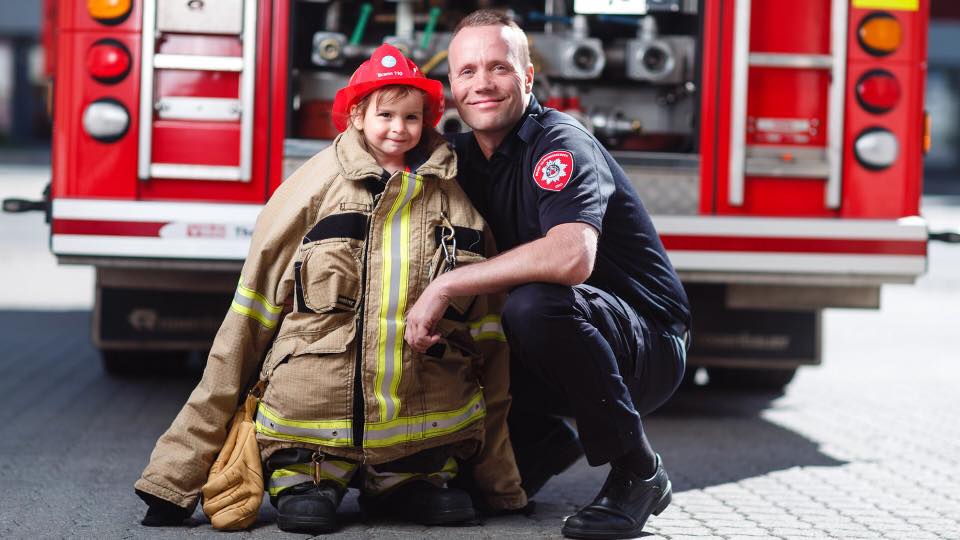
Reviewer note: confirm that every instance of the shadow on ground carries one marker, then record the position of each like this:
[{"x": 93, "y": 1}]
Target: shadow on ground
[{"x": 713, "y": 437}]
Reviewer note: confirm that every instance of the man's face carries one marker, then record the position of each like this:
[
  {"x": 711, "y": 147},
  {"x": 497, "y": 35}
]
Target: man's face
[{"x": 489, "y": 85}]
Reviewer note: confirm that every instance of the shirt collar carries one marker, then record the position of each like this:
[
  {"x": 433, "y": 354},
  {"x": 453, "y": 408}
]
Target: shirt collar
[{"x": 523, "y": 133}]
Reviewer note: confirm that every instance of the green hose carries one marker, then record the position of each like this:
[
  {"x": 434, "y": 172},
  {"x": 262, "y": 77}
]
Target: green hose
[
  {"x": 365, "y": 10},
  {"x": 431, "y": 26}
]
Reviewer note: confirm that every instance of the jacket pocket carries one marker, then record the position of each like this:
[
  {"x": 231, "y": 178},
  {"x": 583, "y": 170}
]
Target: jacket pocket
[
  {"x": 327, "y": 277},
  {"x": 334, "y": 336},
  {"x": 439, "y": 265},
  {"x": 313, "y": 381}
]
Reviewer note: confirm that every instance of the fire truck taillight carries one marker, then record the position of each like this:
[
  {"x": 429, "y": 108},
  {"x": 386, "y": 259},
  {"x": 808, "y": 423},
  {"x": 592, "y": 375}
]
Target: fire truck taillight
[
  {"x": 106, "y": 120},
  {"x": 878, "y": 91},
  {"x": 108, "y": 61},
  {"x": 109, "y": 11},
  {"x": 880, "y": 34},
  {"x": 876, "y": 148}
]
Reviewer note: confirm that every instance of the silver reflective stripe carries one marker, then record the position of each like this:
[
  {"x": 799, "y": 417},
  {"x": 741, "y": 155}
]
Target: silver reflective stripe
[
  {"x": 487, "y": 328},
  {"x": 338, "y": 471},
  {"x": 416, "y": 429},
  {"x": 322, "y": 435},
  {"x": 282, "y": 481},
  {"x": 375, "y": 435},
  {"x": 252, "y": 304},
  {"x": 379, "y": 483},
  {"x": 399, "y": 259}
]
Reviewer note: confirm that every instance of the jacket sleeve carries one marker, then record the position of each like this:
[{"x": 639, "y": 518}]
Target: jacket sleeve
[
  {"x": 495, "y": 468},
  {"x": 181, "y": 460}
]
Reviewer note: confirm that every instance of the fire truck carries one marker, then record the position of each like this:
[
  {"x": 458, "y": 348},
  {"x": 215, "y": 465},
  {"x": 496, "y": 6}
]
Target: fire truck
[{"x": 777, "y": 145}]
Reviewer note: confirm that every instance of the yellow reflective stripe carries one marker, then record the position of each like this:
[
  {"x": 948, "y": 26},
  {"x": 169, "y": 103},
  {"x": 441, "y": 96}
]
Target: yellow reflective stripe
[
  {"x": 254, "y": 295},
  {"x": 292, "y": 475},
  {"x": 487, "y": 329},
  {"x": 393, "y": 297},
  {"x": 336, "y": 471},
  {"x": 243, "y": 310},
  {"x": 404, "y": 281},
  {"x": 378, "y": 483},
  {"x": 423, "y": 426},
  {"x": 326, "y": 432},
  {"x": 250, "y": 303},
  {"x": 905, "y": 5},
  {"x": 449, "y": 470},
  {"x": 381, "y": 482},
  {"x": 376, "y": 434}
]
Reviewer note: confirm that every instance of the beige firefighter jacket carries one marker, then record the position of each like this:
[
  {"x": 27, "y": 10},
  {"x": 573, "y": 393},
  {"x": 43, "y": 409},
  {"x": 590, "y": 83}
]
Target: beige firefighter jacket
[{"x": 330, "y": 274}]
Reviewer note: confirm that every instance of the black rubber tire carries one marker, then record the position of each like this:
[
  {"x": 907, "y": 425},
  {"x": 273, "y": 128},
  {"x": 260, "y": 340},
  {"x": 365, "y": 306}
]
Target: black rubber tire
[{"x": 751, "y": 379}]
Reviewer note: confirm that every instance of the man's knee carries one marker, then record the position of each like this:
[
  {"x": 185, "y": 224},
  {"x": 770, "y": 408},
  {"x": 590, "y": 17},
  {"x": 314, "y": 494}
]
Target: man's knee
[{"x": 534, "y": 309}]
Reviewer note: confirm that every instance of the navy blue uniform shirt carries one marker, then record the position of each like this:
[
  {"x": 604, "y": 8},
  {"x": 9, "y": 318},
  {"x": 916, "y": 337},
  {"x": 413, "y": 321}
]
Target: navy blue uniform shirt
[{"x": 549, "y": 170}]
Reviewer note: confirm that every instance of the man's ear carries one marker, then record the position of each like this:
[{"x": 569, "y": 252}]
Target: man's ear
[
  {"x": 528, "y": 79},
  {"x": 356, "y": 118}
]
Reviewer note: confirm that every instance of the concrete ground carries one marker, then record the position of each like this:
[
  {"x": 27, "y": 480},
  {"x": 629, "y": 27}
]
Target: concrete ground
[{"x": 865, "y": 446}]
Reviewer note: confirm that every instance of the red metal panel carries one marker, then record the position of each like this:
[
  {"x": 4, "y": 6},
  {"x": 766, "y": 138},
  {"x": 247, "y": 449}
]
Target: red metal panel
[
  {"x": 774, "y": 244},
  {"x": 894, "y": 192},
  {"x": 777, "y": 94},
  {"x": 175, "y": 82},
  {"x": 196, "y": 143},
  {"x": 773, "y": 94},
  {"x": 82, "y": 166},
  {"x": 209, "y": 44},
  {"x": 278, "y": 95},
  {"x": 789, "y": 26},
  {"x": 714, "y": 100},
  {"x": 213, "y": 143}
]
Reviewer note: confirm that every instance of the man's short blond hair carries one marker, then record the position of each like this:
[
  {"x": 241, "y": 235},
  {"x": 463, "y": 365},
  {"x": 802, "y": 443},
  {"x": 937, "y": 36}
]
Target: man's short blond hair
[{"x": 492, "y": 17}]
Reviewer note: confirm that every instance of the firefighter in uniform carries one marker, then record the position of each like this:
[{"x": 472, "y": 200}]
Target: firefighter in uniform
[
  {"x": 596, "y": 317},
  {"x": 338, "y": 253}
]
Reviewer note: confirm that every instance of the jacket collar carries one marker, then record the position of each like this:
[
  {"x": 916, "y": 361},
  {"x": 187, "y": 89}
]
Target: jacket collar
[{"x": 356, "y": 163}]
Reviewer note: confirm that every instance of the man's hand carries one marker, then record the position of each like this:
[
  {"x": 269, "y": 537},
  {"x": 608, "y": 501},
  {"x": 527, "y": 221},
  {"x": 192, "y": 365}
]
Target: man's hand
[{"x": 422, "y": 318}]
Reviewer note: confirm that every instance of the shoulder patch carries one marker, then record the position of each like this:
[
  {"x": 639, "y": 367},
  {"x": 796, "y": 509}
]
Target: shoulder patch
[{"x": 554, "y": 170}]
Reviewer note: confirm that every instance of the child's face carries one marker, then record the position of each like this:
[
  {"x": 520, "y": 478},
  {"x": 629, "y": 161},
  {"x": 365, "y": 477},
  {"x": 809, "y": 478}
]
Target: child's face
[{"x": 391, "y": 129}]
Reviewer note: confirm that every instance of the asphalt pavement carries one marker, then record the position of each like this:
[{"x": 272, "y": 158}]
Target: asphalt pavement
[{"x": 865, "y": 446}]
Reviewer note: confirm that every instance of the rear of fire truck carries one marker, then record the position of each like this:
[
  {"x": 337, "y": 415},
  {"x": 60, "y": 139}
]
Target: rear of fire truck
[{"x": 777, "y": 144}]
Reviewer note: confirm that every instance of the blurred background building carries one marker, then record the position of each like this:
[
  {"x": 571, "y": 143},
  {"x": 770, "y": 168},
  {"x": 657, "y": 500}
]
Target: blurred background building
[
  {"x": 25, "y": 127},
  {"x": 23, "y": 116}
]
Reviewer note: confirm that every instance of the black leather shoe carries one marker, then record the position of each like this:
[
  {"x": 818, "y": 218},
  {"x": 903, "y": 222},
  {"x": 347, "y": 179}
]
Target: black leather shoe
[
  {"x": 540, "y": 461},
  {"x": 162, "y": 513},
  {"x": 622, "y": 507},
  {"x": 421, "y": 502},
  {"x": 309, "y": 508}
]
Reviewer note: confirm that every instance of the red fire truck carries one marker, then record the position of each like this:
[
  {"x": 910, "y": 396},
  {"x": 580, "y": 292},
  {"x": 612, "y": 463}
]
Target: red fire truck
[{"x": 776, "y": 143}]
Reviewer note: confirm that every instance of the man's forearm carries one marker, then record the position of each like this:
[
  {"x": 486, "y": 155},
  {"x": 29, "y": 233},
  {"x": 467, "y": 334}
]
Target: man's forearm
[{"x": 565, "y": 256}]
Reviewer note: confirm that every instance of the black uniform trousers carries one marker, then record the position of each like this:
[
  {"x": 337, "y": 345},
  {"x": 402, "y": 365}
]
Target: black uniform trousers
[{"x": 580, "y": 351}]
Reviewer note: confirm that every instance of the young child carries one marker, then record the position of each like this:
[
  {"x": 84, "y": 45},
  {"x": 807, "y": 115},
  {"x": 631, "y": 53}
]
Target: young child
[{"x": 343, "y": 247}]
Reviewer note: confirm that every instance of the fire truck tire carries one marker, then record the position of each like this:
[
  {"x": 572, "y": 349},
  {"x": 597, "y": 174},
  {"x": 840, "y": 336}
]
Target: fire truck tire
[{"x": 746, "y": 379}]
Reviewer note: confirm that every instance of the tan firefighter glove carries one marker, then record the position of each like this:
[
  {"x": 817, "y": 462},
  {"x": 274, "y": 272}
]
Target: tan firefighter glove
[{"x": 234, "y": 489}]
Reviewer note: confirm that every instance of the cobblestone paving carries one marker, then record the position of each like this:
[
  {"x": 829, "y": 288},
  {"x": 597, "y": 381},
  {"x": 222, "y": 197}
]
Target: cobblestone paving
[{"x": 866, "y": 446}]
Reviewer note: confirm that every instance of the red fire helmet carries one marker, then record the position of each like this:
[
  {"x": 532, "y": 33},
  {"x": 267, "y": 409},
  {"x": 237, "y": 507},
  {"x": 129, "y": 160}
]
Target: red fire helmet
[{"x": 387, "y": 66}]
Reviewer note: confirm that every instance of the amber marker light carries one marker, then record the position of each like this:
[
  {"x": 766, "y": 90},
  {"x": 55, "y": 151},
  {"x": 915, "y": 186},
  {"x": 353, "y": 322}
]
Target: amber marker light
[
  {"x": 109, "y": 11},
  {"x": 880, "y": 34}
]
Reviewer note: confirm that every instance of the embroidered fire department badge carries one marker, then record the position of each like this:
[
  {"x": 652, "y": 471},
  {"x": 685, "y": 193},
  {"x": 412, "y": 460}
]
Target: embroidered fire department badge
[{"x": 554, "y": 170}]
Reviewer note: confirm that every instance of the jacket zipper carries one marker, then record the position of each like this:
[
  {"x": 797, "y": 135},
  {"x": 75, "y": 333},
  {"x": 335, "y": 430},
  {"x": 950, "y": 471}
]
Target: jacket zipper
[{"x": 358, "y": 407}]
